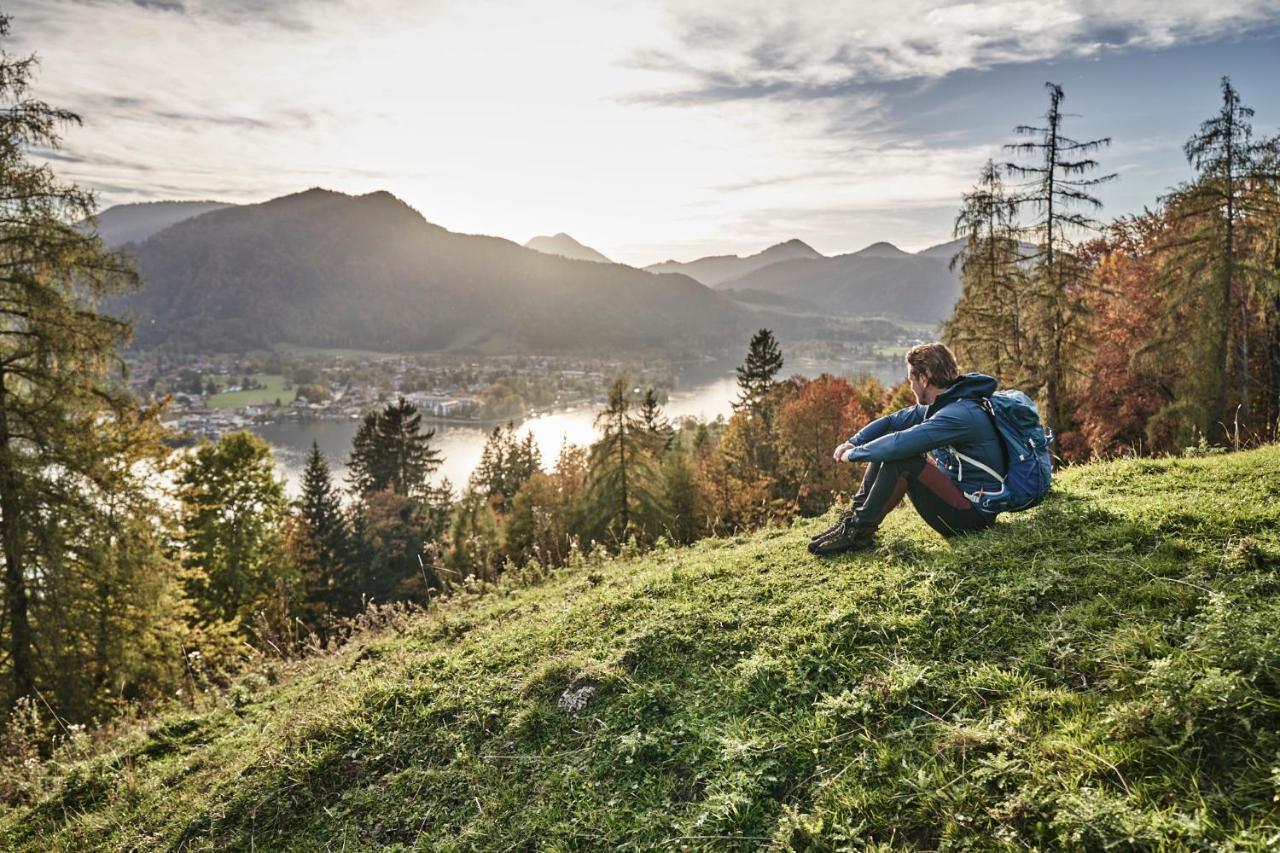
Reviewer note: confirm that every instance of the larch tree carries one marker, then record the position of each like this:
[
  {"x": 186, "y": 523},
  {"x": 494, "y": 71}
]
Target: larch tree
[
  {"x": 621, "y": 488},
  {"x": 1058, "y": 189},
  {"x": 64, "y": 413}
]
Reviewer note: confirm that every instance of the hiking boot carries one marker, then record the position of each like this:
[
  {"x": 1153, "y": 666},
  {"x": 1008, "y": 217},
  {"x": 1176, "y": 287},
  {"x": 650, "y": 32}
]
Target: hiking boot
[
  {"x": 844, "y": 517},
  {"x": 848, "y": 536}
]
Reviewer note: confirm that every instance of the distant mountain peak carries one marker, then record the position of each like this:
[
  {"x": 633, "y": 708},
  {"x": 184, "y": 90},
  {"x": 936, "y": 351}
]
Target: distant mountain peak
[
  {"x": 315, "y": 192},
  {"x": 566, "y": 247},
  {"x": 882, "y": 249},
  {"x": 308, "y": 196},
  {"x": 794, "y": 247}
]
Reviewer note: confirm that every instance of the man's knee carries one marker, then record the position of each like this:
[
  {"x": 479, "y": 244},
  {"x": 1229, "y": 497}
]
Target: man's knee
[{"x": 909, "y": 467}]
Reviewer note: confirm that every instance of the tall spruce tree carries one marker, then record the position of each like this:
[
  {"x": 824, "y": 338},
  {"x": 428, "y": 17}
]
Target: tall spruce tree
[
  {"x": 1059, "y": 186},
  {"x": 986, "y": 330},
  {"x": 63, "y": 417},
  {"x": 755, "y": 453},
  {"x": 325, "y": 539},
  {"x": 1233, "y": 172},
  {"x": 757, "y": 372},
  {"x": 391, "y": 452}
]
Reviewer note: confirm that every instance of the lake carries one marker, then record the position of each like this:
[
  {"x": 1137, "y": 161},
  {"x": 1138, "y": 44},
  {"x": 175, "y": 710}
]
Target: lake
[{"x": 461, "y": 444}]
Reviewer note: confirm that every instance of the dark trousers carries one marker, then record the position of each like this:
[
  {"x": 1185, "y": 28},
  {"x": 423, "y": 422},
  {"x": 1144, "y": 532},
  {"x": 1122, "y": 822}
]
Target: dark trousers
[{"x": 934, "y": 495}]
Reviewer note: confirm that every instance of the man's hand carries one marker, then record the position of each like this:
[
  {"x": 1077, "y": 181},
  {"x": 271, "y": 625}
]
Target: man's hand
[{"x": 841, "y": 451}]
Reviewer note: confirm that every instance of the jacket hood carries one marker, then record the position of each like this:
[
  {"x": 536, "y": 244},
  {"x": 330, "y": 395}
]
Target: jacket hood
[{"x": 970, "y": 386}]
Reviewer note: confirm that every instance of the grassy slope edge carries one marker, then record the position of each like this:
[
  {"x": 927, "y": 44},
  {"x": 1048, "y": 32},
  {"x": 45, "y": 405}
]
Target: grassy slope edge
[{"x": 1104, "y": 670}]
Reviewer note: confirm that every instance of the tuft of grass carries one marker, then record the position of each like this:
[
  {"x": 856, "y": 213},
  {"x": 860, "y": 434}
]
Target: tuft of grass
[{"x": 1103, "y": 671}]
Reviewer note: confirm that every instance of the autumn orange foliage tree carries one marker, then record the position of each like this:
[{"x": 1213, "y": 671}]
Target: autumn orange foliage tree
[
  {"x": 1124, "y": 384},
  {"x": 820, "y": 414}
]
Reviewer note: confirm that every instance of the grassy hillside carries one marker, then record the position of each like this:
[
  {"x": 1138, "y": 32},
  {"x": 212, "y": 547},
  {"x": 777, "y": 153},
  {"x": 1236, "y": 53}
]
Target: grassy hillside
[{"x": 1102, "y": 671}]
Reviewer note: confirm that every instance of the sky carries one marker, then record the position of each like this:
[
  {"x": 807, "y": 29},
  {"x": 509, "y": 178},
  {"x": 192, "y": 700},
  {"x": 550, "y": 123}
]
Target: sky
[{"x": 647, "y": 130}]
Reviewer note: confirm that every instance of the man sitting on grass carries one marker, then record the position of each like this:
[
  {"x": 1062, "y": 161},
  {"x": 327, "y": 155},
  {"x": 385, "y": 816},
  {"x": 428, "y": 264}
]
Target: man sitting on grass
[{"x": 965, "y": 457}]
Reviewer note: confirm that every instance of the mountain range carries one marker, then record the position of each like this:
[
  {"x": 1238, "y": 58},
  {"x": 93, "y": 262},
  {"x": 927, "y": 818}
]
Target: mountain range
[
  {"x": 323, "y": 268},
  {"x": 880, "y": 279},
  {"x": 719, "y": 269}
]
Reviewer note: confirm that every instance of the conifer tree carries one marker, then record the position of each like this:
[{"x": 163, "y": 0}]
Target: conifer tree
[
  {"x": 324, "y": 537},
  {"x": 986, "y": 329},
  {"x": 58, "y": 399},
  {"x": 1267, "y": 252},
  {"x": 506, "y": 463},
  {"x": 391, "y": 452},
  {"x": 1058, "y": 186},
  {"x": 655, "y": 422},
  {"x": 1232, "y": 173},
  {"x": 622, "y": 492},
  {"x": 757, "y": 372},
  {"x": 751, "y": 448}
]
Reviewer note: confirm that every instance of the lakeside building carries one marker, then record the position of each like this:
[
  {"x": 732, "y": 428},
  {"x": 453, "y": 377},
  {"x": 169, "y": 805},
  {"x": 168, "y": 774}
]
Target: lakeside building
[{"x": 444, "y": 407}]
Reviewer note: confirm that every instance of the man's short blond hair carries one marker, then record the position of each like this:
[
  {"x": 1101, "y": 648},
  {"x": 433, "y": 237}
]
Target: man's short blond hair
[{"x": 935, "y": 362}]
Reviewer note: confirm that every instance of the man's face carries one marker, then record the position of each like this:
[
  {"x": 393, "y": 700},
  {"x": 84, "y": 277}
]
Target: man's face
[{"x": 918, "y": 383}]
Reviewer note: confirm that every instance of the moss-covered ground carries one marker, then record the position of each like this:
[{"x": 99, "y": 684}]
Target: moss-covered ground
[{"x": 1101, "y": 672}]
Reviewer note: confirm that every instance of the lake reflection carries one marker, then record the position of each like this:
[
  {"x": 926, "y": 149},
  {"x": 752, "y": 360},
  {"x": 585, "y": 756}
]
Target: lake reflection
[{"x": 461, "y": 445}]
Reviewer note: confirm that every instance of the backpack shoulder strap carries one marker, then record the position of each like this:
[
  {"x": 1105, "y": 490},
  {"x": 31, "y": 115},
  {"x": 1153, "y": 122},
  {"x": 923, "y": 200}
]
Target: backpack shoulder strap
[{"x": 990, "y": 409}]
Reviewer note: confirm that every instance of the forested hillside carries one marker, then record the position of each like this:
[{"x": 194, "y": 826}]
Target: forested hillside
[
  {"x": 1101, "y": 671},
  {"x": 321, "y": 268}
]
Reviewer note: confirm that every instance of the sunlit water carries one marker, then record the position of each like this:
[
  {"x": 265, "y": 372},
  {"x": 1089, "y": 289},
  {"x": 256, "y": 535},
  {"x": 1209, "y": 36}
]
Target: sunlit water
[{"x": 461, "y": 445}]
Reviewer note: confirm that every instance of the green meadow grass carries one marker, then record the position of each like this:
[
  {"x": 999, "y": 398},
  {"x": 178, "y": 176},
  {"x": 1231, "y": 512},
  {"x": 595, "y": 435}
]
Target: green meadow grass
[
  {"x": 1101, "y": 672},
  {"x": 273, "y": 390}
]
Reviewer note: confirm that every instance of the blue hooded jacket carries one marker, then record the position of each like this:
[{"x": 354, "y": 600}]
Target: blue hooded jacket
[{"x": 956, "y": 419}]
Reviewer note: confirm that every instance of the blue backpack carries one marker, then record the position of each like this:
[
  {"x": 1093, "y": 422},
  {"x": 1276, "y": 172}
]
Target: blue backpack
[{"x": 1026, "y": 442}]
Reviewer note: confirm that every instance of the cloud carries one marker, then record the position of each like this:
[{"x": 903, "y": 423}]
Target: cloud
[
  {"x": 626, "y": 123},
  {"x": 287, "y": 14},
  {"x": 765, "y": 50}
]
